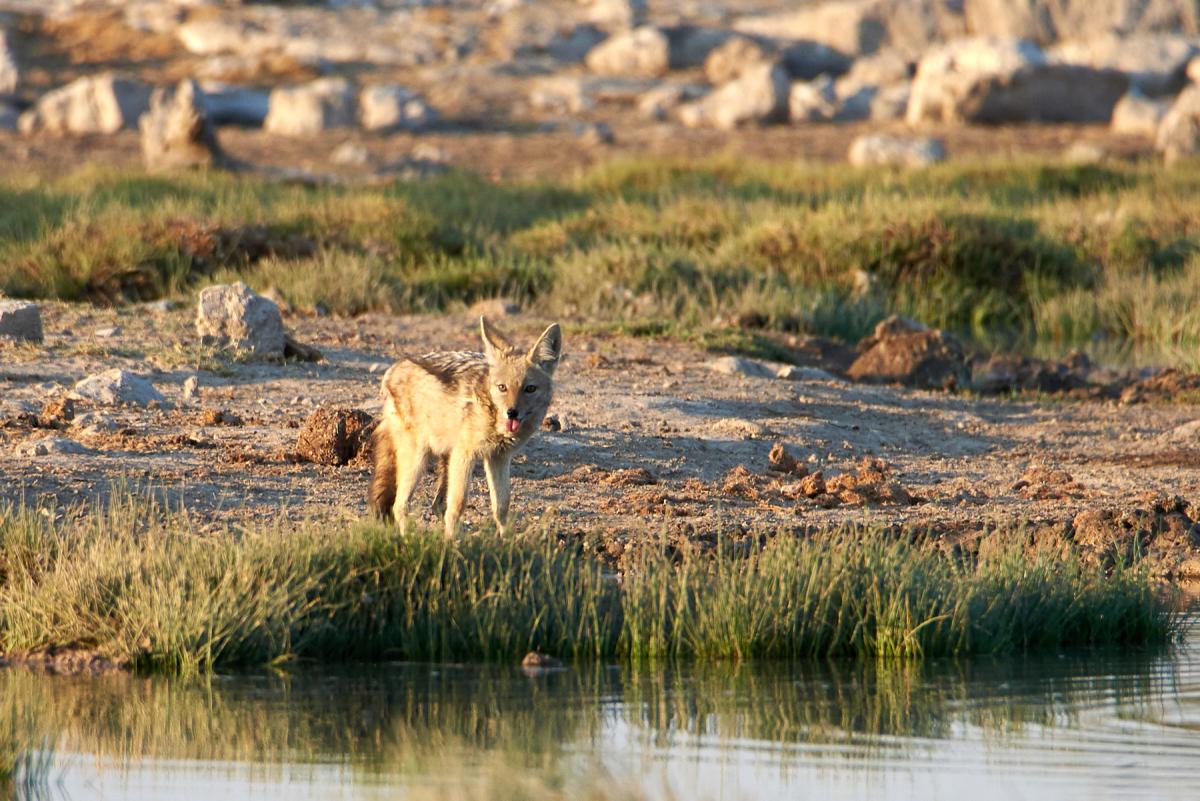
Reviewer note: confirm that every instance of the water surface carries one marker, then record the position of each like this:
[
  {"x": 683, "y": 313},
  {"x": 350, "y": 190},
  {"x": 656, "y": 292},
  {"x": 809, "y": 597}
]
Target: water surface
[{"x": 1087, "y": 725}]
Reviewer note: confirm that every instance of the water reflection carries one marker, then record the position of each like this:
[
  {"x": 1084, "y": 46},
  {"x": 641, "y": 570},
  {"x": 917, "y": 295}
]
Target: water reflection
[{"x": 712, "y": 732}]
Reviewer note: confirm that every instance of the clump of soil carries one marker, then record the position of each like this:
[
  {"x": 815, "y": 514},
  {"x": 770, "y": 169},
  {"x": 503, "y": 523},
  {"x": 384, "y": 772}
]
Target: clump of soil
[
  {"x": 781, "y": 461},
  {"x": 622, "y": 477},
  {"x": 56, "y": 413},
  {"x": 219, "y": 417},
  {"x": 1044, "y": 483},
  {"x": 872, "y": 482},
  {"x": 1167, "y": 385},
  {"x": 334, "y": 436}
]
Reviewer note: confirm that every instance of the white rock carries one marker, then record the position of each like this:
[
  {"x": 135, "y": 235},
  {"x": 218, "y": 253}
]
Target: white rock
[
  {"x": 223, "y": 34},
  {"x": 230, "y": 104},
  {"x": 890, "y": 103},
  {"x": 49, "y": 445},
  {"x": 1155, "y": 63},
  {"x": 1186, "y": 433},
  {"x": 617, "y": 14},
  {"x": 234, "y": 316},
  {"x": 739, "y": 366},
  {"x": 852, "y": 26},
  {"x": 659, "y": 102},
  {"x": 1008, "y": 80},
  {"x": 791, "y": 372},
  {"x": 560, "y": 94},
  {"x": 759, "y": 95},
  {"x": 9, "y": 75},
  {"x": 1138, "y": 115},
  {"x": 895, "y": 151},
  {"x": 813, "y": 101},
  {"x": 176, "y": 131},
  {"x": 310, "y": 108},
  {"x": 98, "y": 104},
  {"x": 108, "y": 332},
  {"x": 392, "y": 107},
  {"x": 20, "y": 320},
  {"x": 729, "y": 60},
  {"x": 1178, "y": 134},
  {"x": 116, "y": 386},
  {"x": 93, "y": 423},
  {"x": 643, "y": 52},
  {"x": 352, "y": 154}
]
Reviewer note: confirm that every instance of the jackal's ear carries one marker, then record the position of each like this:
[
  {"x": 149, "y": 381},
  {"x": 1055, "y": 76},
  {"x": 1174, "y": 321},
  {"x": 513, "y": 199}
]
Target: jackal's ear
[
  {"x": 547, "y": 349},
  {"x": 495, "y": 344}
]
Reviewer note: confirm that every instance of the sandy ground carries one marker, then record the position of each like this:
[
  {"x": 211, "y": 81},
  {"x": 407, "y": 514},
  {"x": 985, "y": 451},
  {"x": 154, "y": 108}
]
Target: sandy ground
[{"x": 623, "y": 404}]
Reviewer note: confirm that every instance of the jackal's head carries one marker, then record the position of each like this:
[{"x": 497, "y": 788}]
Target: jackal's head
[{"x": 519, "y": 380}]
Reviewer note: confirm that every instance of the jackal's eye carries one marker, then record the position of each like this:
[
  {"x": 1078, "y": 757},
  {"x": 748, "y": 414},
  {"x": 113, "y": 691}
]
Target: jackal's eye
[
  {"x": 502, "y": 387},
  {"x": 530, "y": 389}
]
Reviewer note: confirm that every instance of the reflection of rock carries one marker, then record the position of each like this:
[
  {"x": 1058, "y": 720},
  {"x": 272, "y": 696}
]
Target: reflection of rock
[{"x": 98, "y": 104}]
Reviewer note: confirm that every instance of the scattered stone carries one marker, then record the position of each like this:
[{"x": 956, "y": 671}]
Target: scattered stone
[
  {"x": 792, "y": 372},
  {"x": 1138, "y": 115},
  {"x": 228, "y": 104},
  {"x": 220, "y": 417},
  {"x": 93, "y": 424},
  {"x": 896, "y": 151},
  {"x": 233, "y": 316},
  {"x": 643, "y": 52},
  {"x": 20, "y": 320},
  {"x": 97, "y": 104},
  {"x": 740, "y": 366},
  {"x": 760, "y": 95},
  {"x": 310, "y": 108},
  {"x": 813, "y": 101},
  {"x": 982, "y": 80},
  {"x": 389, "y": 107},
  {"x": 176, "y": 131},
  {"x": 115, "y": 387},
  {"x": 728, "y": 61},
  {"x": 1178, "y": 134},
  {"x": 922, "y": 359},
  {"x": 1044, "y": 483},
  {"x": 871, "y": 482},
  {"x": 351, "y": 154},
  {"x": 781, "y": 461},
  {"x": 536, "y": 662},
  {"x": 334, "y": 436},
  {"x": 740, "y": 482},
  {"x": 57, "y": 413},
  {"x": 49, "y": 445},
  {"x": 191, "y": 388}
]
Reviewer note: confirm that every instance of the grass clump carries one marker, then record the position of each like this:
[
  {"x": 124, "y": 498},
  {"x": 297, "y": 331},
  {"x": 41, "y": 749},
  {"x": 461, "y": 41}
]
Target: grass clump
[{"x": 136, "y": 583}]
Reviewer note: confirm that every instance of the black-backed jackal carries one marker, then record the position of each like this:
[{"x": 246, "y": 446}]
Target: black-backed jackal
[{"x": 458, "y": 407}]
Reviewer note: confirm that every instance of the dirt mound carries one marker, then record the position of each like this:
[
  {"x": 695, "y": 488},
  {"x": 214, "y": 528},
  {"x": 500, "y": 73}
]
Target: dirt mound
[
  {"x": 621, "y": 477},
  {"x": 1167, "y": 385},
  {"x": 1044, "y": 483},
  {"x": 898, "y": 354},
  {"x": 334, "y": 436}
]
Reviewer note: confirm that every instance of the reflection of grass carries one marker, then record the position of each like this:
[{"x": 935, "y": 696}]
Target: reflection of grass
[
  {"x": 135, "y": 582},
  {"x": 1033, "y": 254}
]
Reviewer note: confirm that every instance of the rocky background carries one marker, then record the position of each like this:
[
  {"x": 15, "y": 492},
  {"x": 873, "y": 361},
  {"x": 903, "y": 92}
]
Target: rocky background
[{"x": 394, "y": 87}]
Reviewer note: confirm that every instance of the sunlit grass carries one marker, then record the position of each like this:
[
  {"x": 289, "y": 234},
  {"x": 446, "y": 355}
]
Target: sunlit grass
[{"x": 137, "y": 583}]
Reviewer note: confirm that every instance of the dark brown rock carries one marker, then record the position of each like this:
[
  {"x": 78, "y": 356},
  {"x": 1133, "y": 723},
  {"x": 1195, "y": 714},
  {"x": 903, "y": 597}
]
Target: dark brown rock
[
  {"x": 922, "y": 359},
  {"x": 334, "y": 436}
]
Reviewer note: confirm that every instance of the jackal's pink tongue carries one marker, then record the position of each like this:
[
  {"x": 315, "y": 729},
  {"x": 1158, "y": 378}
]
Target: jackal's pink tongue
[{"x": 512, "y": 425}]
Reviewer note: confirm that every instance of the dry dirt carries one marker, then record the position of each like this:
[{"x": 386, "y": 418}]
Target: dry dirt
[{"x": 651, "y": 440}]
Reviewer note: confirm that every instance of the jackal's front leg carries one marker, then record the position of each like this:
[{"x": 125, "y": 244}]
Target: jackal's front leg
[
  {"x": 499, "y": 487},
  {"x": 458, "y": 478}
]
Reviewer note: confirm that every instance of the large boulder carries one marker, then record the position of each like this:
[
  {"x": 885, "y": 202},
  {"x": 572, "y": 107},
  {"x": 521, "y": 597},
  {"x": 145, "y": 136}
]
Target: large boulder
[
  {"x": 116, "y": 387},
  {"x": 643, "y": 52},
  {"x": 760, "y": 95},
  {"x": 1138, "y": 115},
  {"x": 176, "y": 131},
  {"x": 1155, "y": 63},
  {"x": 994, "y": 80},
  {"x": 393, "y": 108},
  {"x": 232, "y": 315},
  {"x": 311, "y": 108},
  {"x": 20, "y": 320},
  {"x": 9, "y": 75},
  {"x": 1178, "y": 134},
  {"x": 1047, "y": 21},
  {"x": 895, "y": 151},
  {"x": 617, "y": 14},
  {"x": 97, "y": 104},
  {"x": 728, "y": 61}
]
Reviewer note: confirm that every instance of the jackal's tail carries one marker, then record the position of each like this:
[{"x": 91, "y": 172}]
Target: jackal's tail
[{"x": 383, "y": 480}]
